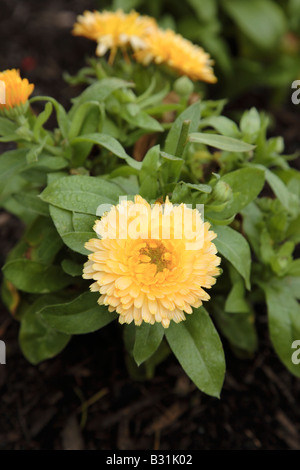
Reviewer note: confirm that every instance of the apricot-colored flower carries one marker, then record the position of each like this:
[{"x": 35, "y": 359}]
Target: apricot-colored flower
[
  {"x": 14, "y": 90},
  {"x": 186, "y": 58},
  {"x": 151, "y": 264},
  {"x": 114, "y": 29}
]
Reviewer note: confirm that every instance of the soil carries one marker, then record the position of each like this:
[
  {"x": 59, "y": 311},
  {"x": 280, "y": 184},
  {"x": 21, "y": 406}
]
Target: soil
[{"x": 84, "y": 398}]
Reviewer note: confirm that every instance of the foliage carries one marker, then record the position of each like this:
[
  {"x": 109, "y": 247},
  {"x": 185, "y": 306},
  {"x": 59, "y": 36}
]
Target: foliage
[{"x": 124, "y": 135}]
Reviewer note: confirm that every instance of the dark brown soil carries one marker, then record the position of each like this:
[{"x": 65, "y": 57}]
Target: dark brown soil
[{"x": 84, "y": 399}]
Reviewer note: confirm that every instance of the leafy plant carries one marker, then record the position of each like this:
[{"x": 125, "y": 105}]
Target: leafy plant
[{"x": 124, "y": 136}]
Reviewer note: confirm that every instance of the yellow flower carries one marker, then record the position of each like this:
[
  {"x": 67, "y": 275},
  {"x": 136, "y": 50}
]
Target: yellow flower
[
  {"x": 114, "y": 29},
  {"x": 167, "y": 47},
  {"x": 151, "y": 264},
  {"x": 14, "y": 90}
]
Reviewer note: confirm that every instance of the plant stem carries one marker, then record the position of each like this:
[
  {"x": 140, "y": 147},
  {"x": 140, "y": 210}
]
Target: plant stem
[{"x": 182, "y": 138}]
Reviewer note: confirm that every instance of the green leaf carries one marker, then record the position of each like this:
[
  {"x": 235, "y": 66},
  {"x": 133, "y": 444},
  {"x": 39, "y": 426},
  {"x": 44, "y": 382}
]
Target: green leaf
[
  {"x": 38, "y": 341},
  {"x": 206, "y": 10},
  {"x": 61, "y": 114},
  {"x": 148, "y": 174},
  {"x": 12, "y": 162},
  {"x": 32, "y": 203},
  {"x": 192, "y": 113},
  {"x": 197, "y": 346},
  {"x": 284, "y": 321},
  {"x": 62, "y": 220},
  {"x": 51, "y": 162},
  {"x": 98, "y": 91},
  {"x": 294, "y": 268},
  {"x": 81, "y": 315},
  {"x": 250, "y": 123},
  {"x": 234, "y": 247},
  {"x": 77, "y": 240},
  {"x": 235, "y": 302},
  {"x": 129, "y": 185},
  {"x": 71, "y": 267},
  {"x": 81, "y": 193},
  {"x": 35, "y": 277},
  {"x": 7, "y": 127},
  {"x": 171, "y": 167},
  {"x": 147, "y": 340},
  {"x": 41, "y": 119},
  {"x": 142, "y": 120},
  {"x": 83, "y": 222},
  {"x": 239, "y": 330},
  {"x": 83, "y": 111},
  {"x": 222, "y": 124},
  {"x": 246, "y": 184},
  {"x": 42, "y": 241},
  {"x": 252, "y": 221},
  {"x": 221, "y": 142},
  {"x": 289, "y": 201},
  {"x": 111, "y": 144},
  {"x": 251, "y": 19}
]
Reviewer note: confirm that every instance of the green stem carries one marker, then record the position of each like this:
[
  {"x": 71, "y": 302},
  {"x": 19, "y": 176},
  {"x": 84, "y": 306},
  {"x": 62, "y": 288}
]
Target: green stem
[{"x": 182, "y": 138}]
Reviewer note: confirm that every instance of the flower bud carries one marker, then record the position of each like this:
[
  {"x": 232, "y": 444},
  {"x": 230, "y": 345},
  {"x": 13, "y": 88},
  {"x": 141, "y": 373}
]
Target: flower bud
[
  {"x": 14, "y": 93},
  {"x": 183, "y": 86},
  {"x": 222, "y": 192}
]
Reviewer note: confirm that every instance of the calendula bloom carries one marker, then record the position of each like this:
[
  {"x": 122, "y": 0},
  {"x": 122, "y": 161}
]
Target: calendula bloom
[
  {"x": 14, "y": 89},
  {"x": 114, "y": 29},
  {"x": 151, "y": 264},
  {"x": 186, "y": 58}
]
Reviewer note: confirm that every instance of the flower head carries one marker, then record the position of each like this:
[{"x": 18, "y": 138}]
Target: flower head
[
  {"x": 15, "y": 90},
  {"x": 167, "y": 47},
  {"x": 151, "y": 264},
  {"x": 114, "y": 29}
]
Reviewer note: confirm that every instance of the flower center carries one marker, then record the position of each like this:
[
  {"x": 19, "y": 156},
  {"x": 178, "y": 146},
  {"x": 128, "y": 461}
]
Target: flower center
[{"x": 155, "y": 252}]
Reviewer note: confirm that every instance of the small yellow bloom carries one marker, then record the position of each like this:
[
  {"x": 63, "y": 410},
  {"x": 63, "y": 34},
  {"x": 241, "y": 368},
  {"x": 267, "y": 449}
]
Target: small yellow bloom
[
  {"x": 114, "y": 29},
  {"x": 14, "y": 90},
  {"x": 151, "y": 264},
  {"x": 167, "y": 47}
]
